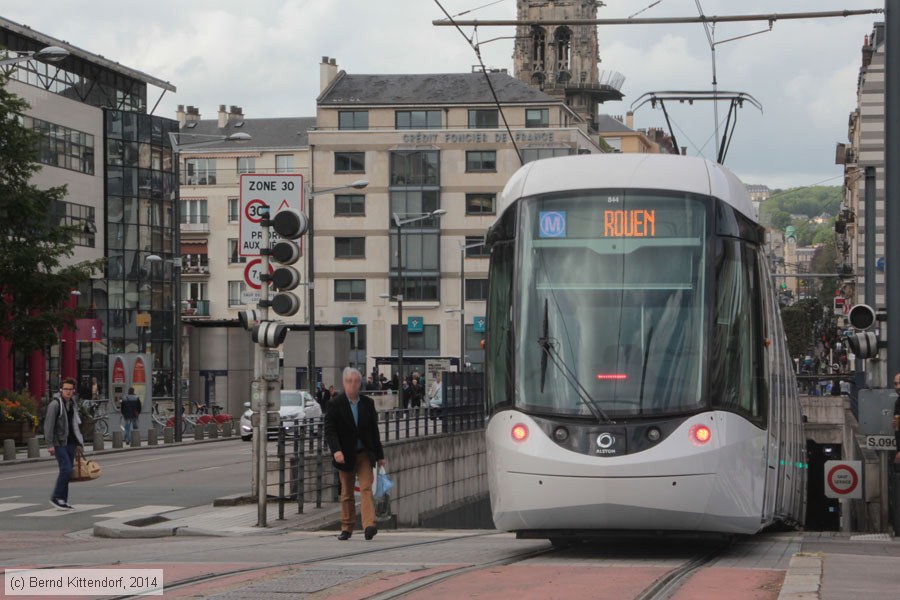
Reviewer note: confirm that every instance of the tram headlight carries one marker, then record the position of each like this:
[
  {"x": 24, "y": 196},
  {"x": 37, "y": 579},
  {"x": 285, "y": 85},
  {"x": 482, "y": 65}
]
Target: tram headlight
[
  {"x": 653, "y": 434},
  {"x": 519, "y": 433},
  {"x": 560, "y": 434},
  {"x": 700, "y": 435}
]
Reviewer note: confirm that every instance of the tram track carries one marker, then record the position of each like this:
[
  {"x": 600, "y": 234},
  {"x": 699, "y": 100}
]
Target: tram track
[{"x": 666, "y": 586}]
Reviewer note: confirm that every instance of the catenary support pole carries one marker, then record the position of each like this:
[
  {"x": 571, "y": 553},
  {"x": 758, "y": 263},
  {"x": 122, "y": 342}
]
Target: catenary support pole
[{"x": 892, "y": 184}]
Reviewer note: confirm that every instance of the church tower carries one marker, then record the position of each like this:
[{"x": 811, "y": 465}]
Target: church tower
[{"x": 561, "y": 60}]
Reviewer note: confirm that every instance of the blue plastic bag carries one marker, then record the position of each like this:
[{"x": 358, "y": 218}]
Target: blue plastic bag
[{"x": 383, "y": 483}]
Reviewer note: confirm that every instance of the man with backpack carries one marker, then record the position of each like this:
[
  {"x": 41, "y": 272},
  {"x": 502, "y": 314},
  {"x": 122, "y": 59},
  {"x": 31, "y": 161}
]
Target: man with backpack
[{"x": 131, "y": 410}]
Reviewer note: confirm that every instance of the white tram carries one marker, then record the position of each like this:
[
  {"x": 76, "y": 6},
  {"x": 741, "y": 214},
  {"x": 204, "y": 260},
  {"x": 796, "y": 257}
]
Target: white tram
[{"x": 637, "y": 371}]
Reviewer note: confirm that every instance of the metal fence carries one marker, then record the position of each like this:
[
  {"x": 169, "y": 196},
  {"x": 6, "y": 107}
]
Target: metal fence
[{"x": 305, "y": 472}]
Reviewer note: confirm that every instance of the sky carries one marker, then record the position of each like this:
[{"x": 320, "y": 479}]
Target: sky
[{"x": 264, "y": 55}]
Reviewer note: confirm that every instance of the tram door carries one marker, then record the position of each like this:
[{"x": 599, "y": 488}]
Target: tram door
[{"x": 822, "y": 514}]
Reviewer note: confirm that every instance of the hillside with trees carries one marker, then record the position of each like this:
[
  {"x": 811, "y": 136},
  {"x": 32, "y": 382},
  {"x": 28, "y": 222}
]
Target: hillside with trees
[{"x": 804, "y": 204}]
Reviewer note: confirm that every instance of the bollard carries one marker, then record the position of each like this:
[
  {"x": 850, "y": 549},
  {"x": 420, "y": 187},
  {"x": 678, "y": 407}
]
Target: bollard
[
  {"x": 226, "y": 429},
  {"x": 198, "y": 433},
  {"x": 34, "y": 448},
  {"x": 135, "y": 439},
  {"x": 168, "y": 435},
  {"x": 9, "y": 449},
  {"x": 151, "y": 437},
  {"x": 117, "y": 439},
  {"x": 212, "y": 431},
  {"x": 98, "y": 441}
]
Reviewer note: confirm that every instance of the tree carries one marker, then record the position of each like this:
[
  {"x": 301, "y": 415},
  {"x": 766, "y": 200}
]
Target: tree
[
  {"x": 780, "y": 219},
  {"x": 825, "y": 260},
  {"x": 34, "y": 282},
  {"x": 799, "y": 323}
]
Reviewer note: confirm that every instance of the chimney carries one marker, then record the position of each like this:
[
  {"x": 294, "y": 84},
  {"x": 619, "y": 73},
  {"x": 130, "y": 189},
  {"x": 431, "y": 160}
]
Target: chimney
[
  {"x": 235, "y": 114},
  {"x": 192, "y": 115},
  {"x": 223, "y": 116},
  {"x": 328, "y": 70},
  {"x": 179, "y": 116},
  {"x": 629, "y": 120}
]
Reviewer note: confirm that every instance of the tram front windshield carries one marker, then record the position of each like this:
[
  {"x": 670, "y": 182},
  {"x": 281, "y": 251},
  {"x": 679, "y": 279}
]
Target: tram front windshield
[{"x": 613, "y": 286}]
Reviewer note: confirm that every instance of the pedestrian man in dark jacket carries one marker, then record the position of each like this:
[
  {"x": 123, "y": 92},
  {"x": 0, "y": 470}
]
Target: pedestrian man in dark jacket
[
  {"x": 131, "y": 410},
  {"x": 351, "y": 430},
  {"x": 62, "y": 432}
]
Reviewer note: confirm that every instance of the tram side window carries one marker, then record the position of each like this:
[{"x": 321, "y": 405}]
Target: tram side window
[
  {"x": 736, "y": 340},
  {"x": 499, "y": 349}
]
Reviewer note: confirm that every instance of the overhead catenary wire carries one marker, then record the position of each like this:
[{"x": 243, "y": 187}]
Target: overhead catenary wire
[
  {"x": 645, "y": 9},
  {"x": 487, "y": 78},
  {"x": 471, "y": 10}
]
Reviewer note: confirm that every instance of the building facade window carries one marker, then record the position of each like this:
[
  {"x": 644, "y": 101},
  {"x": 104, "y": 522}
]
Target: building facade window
[
  {"x": 234, "y": 254},
  {"x": 349, "y": 247},
  {"x": 78, "y": 216},
  {"x": 234, "y": 210},
  {"x": 417, "y": 119},
  {"x": 418, "y": 287},
  {"x": 284, "y": 163},
  {"x": 194, "y": 212},
  {"x": 246, "y": 164},
  {"x": 349, "y": 290},
  {"x": 200, "y": 171},
  {"x": 63, "y": 147},
  {"x": 349, "y": 162},
  {"x": 476, "y": 290},
  {"x": 532, "y": 154},
  {"x": 349, "y": 205},
  {"x": 195, "y": 263},
  {"x": 234, "y": 292},
  {"x": 476, "y": 248},
  {"x": 483, "y": 118},
  {"x": 353, "y": 119},
  {"x": 415, "y": 167},
  {"x": 481, "y": 203},
  {"x": 481, "y": 161},
  {"x": 537, "y": 117},
  {"x": 194, "y": 291},
  {"x": 429, "y": 341}
]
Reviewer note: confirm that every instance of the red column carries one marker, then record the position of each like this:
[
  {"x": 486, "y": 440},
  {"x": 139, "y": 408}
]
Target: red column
[
  {"x": 37, "y": 375},
  {"x": 6, "y": 365}
]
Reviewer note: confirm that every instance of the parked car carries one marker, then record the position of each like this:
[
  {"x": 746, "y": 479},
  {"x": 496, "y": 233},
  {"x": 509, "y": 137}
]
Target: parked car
[{"x": 295, "y": 404}]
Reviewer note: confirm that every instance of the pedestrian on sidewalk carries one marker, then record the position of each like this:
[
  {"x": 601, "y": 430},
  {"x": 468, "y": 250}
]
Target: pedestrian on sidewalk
[
  {"x": 131, "y": 410},
  {"x": 351, "y": 430},
  {"x": 62, "y": 432}
]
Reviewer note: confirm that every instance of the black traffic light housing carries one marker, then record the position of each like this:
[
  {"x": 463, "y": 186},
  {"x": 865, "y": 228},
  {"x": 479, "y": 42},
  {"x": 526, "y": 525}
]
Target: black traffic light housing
[
  {"x": 269, "y": 334},
  {"x": 289, "y": 224}
]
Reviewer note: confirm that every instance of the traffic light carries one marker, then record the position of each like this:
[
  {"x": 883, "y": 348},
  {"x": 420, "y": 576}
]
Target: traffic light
[
  {"x": 269, "y": 334},
  {"x": 863, "y": 343},
  {"x": 289, "y": 224},
  {"x": 861, "y": 317},
  {"x": 248, "y": 318}
]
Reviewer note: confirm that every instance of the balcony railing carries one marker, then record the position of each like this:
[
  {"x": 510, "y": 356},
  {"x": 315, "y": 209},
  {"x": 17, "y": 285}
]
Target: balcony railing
[
  {"x": 196, "y": 308},
  {"x": 195, "y": 269}
]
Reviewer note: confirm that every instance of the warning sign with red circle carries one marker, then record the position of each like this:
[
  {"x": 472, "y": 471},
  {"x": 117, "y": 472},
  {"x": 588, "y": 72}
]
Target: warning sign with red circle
[
  {"x": 253, "y": 273},
  {"x": 842, "y": 479}
]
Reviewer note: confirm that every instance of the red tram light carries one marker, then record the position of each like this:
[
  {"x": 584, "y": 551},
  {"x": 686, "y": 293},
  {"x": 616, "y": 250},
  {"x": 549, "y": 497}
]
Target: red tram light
[
  {"x": 519, "y": 433},
  {"x": 612, "y": 376},
  {"x": 700, "y": 435}
]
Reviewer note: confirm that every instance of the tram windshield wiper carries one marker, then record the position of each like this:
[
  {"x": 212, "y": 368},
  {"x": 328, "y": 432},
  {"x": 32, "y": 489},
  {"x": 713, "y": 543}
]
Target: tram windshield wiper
[{"x": 550, "y": 352}]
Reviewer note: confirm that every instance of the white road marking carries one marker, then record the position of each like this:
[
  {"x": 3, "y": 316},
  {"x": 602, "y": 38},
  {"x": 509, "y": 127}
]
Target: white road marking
[
  {"x": 140, "y": 511},
  {"x": 10, "y": 497},
  {"x": 122, "y": 483},
  {"x": 52, "y": 512},
  {"x": 211, "y": 468},
  {"x": 7, "y": 506}
]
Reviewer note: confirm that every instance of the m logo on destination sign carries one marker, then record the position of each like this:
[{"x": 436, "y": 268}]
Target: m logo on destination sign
[{"x": 552, "y": 224}]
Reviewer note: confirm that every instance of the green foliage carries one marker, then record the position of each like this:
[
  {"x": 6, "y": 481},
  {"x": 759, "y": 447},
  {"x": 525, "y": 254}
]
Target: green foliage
[
  {"x": 35, "y": 251},
  {"x": 17, "y": 407},
  {"x": 779, "y": 219},
  {"x": 825, "y": 260},
  {"x": 799, "y": 322},
  {"x": 809, "y": 201}
]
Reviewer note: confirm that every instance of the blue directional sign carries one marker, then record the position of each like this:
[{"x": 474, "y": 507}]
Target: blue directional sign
[
  {"x": 552, "y": 224},
  {"x": 415, "y": 324},
  {"x": 879, "y": 264},
  {"x": 480, "y": 324},
  {"x": 350, "y": 321}
]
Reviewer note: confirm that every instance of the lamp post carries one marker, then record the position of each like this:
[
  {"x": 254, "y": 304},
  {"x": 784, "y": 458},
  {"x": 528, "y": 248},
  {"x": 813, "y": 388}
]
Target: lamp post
[
  {"x": 402, "y": 288},
  {"x": 310, "y": 273},
  {"x": 177, "y": 147},
  {"x": 48, "y": 54}
]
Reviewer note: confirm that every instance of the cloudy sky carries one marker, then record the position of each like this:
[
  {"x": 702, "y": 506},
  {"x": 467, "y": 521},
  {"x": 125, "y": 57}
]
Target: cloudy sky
[{"x": 264, "y": 56}]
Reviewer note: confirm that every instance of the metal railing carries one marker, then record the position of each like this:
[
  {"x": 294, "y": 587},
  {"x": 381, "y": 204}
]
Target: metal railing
[{"x": 304, "y": 460}]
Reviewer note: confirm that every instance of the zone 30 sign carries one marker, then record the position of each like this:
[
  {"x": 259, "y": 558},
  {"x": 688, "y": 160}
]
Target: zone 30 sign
[{"x": 259, "y": 190}]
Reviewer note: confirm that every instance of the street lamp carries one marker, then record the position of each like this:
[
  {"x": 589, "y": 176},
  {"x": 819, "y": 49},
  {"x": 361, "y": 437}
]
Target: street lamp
[
  {"x": 177, "y": 147},
  {"x": 402, "y": 288},
  {"x": 310, "y": 273},
  {"x": 47, "y": 54}
]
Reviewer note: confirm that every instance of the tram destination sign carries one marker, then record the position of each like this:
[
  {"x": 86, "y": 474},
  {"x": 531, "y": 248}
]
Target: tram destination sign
[{"x": 259, "y": 190}]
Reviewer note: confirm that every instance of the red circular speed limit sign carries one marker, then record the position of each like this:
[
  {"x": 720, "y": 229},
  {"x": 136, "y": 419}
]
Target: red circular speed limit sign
[
  {"x": 252, "y": 273},
  {"x": 253, "y": 210},
  {"x": 842, "y": 479}
]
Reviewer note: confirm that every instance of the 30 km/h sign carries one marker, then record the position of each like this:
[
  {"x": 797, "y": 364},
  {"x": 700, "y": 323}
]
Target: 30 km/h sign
[
  {"x": 842, "y": 479},
  {"x": 259, "y": 190}
]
